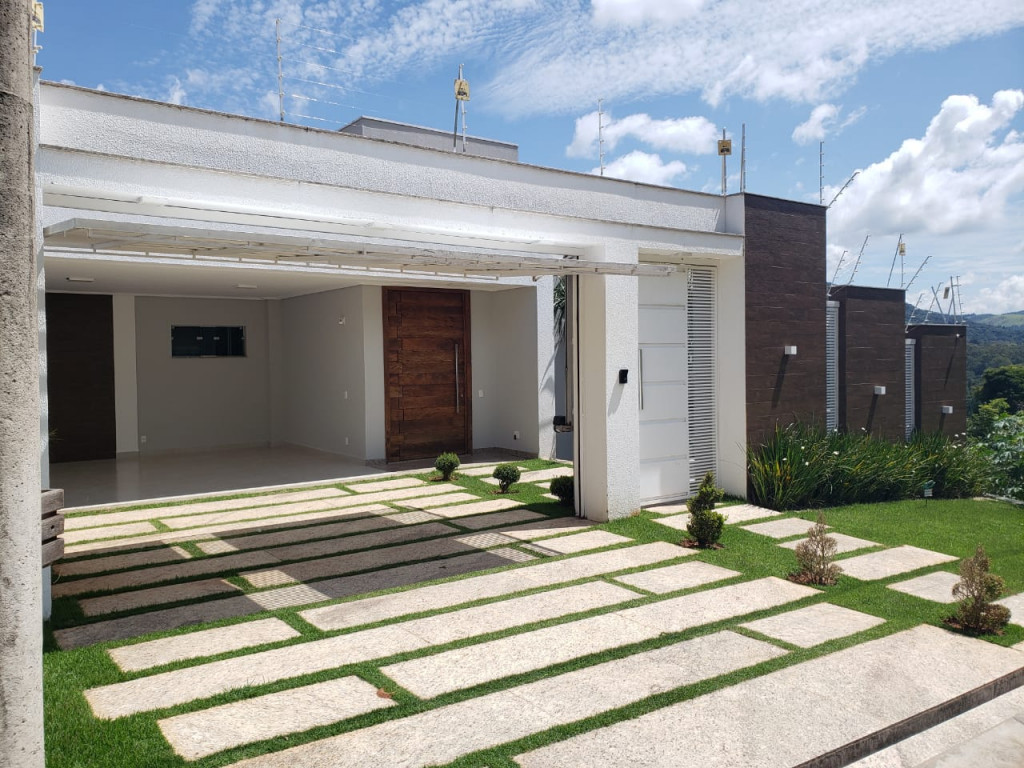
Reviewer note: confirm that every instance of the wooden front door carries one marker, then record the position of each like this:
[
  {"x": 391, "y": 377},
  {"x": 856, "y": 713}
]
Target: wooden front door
[{"x": 427, "y": 370}]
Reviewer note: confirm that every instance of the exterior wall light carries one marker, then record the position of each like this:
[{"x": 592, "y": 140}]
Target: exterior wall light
[
  {"x": 947, "y": 409},
  {"x": 789, "y": 350},
  {"x": 879, "y": 390}
]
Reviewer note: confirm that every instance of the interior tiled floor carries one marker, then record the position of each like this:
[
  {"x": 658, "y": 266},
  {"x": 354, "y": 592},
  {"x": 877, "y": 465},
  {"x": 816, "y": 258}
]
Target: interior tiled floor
[{"x": 86, "y": 483}]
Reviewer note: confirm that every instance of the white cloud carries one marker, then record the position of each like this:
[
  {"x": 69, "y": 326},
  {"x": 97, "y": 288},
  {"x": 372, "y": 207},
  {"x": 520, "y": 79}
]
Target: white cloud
[
  {"x": 801, "y": 50},
  {"x": 1006, "y": 296},
  {"x": 957, "y": 177},
  {"x": 644, "y": 167},
  {"x": 175, "y": 92},
  {"x": 689, "y": 135},
  {"x": 642, "y": 11},
  {"x": 822, "y": 118}
]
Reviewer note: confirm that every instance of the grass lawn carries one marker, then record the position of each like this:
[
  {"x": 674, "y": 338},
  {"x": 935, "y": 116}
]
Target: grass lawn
[{"x": 76, "y": 739}]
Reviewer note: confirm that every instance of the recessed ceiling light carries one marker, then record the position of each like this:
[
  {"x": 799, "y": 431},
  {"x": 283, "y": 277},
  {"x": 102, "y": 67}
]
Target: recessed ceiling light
[
  {"x": 247, "y": 285},
  {"x": 80, "y": 279}
]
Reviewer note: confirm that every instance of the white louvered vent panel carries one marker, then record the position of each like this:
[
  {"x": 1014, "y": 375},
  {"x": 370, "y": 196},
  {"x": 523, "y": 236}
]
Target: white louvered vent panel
[
  {"x": 911, "y": 385},
  {"x": 702, "y": 410},
  {"x": 832, "y": 365}
]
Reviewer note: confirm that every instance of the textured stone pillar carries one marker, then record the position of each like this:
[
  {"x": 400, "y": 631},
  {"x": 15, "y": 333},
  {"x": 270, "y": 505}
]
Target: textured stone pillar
[{"x": 21, "y": 701}]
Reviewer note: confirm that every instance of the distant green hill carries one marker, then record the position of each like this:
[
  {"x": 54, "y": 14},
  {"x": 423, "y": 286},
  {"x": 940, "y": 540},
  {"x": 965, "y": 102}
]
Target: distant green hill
[{"x": 1008, "y": 320}]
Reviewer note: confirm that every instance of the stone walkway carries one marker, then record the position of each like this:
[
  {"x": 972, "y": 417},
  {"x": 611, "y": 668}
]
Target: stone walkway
[{"x": 373, "y": 620}]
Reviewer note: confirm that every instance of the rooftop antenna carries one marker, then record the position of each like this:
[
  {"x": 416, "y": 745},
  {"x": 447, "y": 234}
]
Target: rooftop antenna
[
  {"x": 724, "y": 149},
  {"x": 834, "y": 276},
  {"x": 914, "y": 311},
  {"x": 280, "y": 70},
  {"x": 900, "y": 250},
  {"x": 937, "y": 303},
  {"x": 849, "y": 181},
  {"x": 926, "y": 258},
  {"x": 959, "y": 299},
  {"x": 743, "y": 159},
  {"x": 461, "y": 97},
  {"x": 600, "y": 133},
  {"x": 856, "y": 264},
  {"x": 821, "y": 173}
]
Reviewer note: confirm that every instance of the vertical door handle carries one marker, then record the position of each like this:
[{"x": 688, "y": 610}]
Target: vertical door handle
[
  {"x": 641, "y": 382},
  {"x": 458, "y": 392}
]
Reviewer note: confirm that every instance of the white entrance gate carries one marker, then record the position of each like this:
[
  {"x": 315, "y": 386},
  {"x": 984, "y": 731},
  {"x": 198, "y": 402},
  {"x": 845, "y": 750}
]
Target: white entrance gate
[{"x": 678, "y": 413}]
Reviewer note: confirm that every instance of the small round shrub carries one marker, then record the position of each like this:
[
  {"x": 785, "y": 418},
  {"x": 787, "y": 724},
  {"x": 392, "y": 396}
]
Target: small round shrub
[
  {"x": 565, "y": 489},
  {"x": 976, "y": 590},
  {"x": 816, "y": 554},
  {"x": 506, "y": 475},
  {"x": 705, "y": 523},
  {"x": 446, "y": 464}
]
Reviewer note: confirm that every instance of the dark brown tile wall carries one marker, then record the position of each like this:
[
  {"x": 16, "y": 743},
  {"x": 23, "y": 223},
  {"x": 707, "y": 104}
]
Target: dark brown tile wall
[
  {"x": 940, "y": 374},
  {"x": 871, "y": 353},
  {"x": 785, "y": 305}
]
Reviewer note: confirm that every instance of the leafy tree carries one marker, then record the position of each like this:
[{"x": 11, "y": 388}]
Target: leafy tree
[
  {"x": 1007, "y": 383},
  {"x": 980, "y": 424}
]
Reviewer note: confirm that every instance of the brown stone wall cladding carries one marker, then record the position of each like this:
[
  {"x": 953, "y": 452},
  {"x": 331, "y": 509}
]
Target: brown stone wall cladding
[
  {"x": 785, "y": 306},
  {"x": 940, "y": 374},
  {"x": 871, "y": 353}
]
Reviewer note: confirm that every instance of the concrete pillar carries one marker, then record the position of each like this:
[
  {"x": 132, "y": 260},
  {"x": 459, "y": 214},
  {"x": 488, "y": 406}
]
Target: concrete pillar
[
  {"x": 21, "y": 701},
  {"x": 607, "y": 427}
]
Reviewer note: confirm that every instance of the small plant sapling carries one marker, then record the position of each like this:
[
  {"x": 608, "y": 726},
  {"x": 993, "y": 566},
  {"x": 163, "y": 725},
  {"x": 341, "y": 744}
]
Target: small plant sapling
[
  {"x": 816, "y": 556},
  {"x": 564, "y": 489},
  {"x": 705, "y": 524},
  {"x": 506, "y": 475},
  {"x": 976, "y": 590},
  {"x": 446, "y": 464}
]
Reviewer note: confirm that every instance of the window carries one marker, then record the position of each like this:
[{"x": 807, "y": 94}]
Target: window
[{"x": 207, "y": 341}]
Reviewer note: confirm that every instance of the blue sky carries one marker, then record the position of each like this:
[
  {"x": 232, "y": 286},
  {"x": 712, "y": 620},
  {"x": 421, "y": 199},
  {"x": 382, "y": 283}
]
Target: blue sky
[{"x": 925, "y": 98}]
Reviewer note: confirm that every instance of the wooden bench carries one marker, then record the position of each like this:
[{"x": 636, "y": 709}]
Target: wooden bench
[{"x": 53, "y": 526}]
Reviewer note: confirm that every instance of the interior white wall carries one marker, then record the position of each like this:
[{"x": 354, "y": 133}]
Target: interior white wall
[
  {"x": 324, "y": 384},
  {"x": 196, "y": 403},
  {"x": 513, "y": 369},
  {"x": 732, "y": 377},
  {"x": 374, "y": 385},
  {"x": 126, "y": 390},
  {"x": 275, "y": 371}
]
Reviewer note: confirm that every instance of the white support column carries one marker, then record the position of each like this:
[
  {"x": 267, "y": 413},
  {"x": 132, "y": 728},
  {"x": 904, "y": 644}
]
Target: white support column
[
  {"x": 545, "y": 367},
  {"x": 606, "y": 420}
]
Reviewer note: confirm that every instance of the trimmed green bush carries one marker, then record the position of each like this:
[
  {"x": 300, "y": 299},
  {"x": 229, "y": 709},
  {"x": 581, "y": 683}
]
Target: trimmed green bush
[
  {"x": 976, "y": 590},
  {"x": 706, "y": 524},
  {"x": 506, "y": 475},
  {"x": 446, "y": 464},
  {"x": 565, "y": 489}
]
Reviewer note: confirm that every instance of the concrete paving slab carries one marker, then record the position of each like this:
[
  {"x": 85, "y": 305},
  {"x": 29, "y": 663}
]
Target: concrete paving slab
[
  {"x": 890, "y": 562},
  {"x": 145, "y": 598},
  {"x": 516, "y": 611},
  {"x": 581, "y": 542},
  {"x": 476, "y": 508},
  {"x": 1019, "y": 647},
  {"x": 174, "y": 510},
  {"x": 157, "y": 574},
  {"x": 937, "y": 587},
  {"x": 293, "y": 535},
  {"x": 548, "y": 527},
  {"x": 412, "y": 518},
  {"x": 480, "y": 470},
  {"x": 923, "y": 746},
  {"x": 486, "y": 539},
  {"x": 339, "y": 503},
  {"x": 781, "y": 529},
  {"x": 764, "y": 721},
  {"x": 509, "y": 517},
  {"x": 339, "y": 565},
  {"x": 384, "y": 538},
  {"x": 1016, "y": 605},
  {"x": 287, "y": 597},
  {"x": 513, "y": 555},
  {"x": 743, "y": 513},
  {"x": 107, "y": 532},
  {"x": 844, "y": 543},
  {"x": 441, "y": 500},
  {"x": 999, "y": 747},
  {"x": 203, "y": 533},
  {"x": 385, "y": 485},
  {"x": 675, "y": 577},
  {"x": 195, "y": 735},
  {"x": 814, "y": 625},
  {"x": 668, "y": 509},
  {"x": 432, "y": 597},
  {"x": 444, "y": 734},
  {"x": 179, "y": 686},
  {"x": 118, "y": 562},
  {"x": 194, "y": 645},
  {"x": 460, "y": 668}
]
